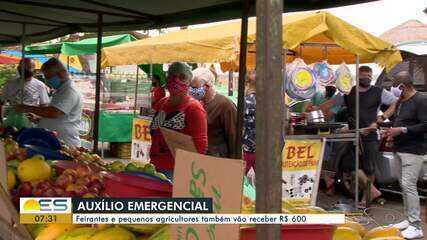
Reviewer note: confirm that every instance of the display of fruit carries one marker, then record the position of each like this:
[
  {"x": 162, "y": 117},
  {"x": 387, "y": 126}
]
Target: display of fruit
[
  {"x": 54, "y": 230},
  {"x": 116, "y": 166},
  {"x": 11, "y": 179},
  {"x": 113, "y": 233},
  {"x": 25, "y": 189},
  {"x": 382, "y": 232},
  {"x": 33, "y": 169},
  {"x": 131, "y": 167},
  {"x": 143, "y": 228},
  {"x": 359, "y": 228},
  {"x": 346, "y": 233},
  {"x": 11, "y": 149},
  {"x": 388, "y": 238},
  {"x": 83, "y": 233},
  {"x": 163, "y": 233},
  {"x": 38, "y": 228}
]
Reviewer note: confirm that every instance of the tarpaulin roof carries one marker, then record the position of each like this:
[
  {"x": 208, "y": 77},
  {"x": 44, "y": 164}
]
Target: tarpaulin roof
[
  {"x": 9, "y": 60},
  {"x": 48, "y": 19},
  {"x": 83, "y": 47},
  {"x": 307, "y": 35}
]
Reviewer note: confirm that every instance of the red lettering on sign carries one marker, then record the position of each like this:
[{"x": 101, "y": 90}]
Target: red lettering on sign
[
  {"x": 291, "y": 152},
  {"x": 137, "y": 131},
  {"x": 309, "y": 153}
]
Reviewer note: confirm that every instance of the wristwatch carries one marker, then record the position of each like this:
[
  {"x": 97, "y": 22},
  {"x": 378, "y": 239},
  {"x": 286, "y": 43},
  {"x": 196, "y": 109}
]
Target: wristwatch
[{"x": 404, "y": 130}]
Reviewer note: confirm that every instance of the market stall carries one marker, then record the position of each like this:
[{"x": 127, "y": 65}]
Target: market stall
[{"x": 114, "y": 18}]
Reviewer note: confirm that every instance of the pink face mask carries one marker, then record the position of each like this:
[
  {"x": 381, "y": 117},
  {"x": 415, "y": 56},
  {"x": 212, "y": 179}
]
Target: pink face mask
[{"x": 176, "y": 86}]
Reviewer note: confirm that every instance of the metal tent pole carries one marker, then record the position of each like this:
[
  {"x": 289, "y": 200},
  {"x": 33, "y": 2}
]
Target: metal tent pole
[
  {"x": 356, "y": 195},
  {"x": 97, "y": 85},
  {"x": 269, "y": 114},
  {"x": 230, "y": 83},
  {"x": 23, "y": 63},
  {"x": 136, "y": 91},
  {"x": 242, "y": 74}
]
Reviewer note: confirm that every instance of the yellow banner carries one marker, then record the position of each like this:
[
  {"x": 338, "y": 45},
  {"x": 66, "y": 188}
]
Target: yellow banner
[
  {"x": 30, "y": 218},
  {"x": 301, "y": 155},
  {"x": 141, "y": 129}
]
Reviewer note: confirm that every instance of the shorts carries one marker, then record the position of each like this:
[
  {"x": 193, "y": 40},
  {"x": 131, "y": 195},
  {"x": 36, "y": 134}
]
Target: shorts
[{"x": 369, "y": 157}]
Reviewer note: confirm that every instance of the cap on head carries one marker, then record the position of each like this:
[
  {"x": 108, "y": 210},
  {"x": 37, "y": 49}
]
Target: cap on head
[
  {"x": 180, "y": 69},
  {"x": 205, "y": 75}
]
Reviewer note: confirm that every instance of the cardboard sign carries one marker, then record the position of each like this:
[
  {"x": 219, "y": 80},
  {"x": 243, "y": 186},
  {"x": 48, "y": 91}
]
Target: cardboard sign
[
  {"x": 177, "y": 140},
  {"x": 221, "y": 179},
  {"x": 141, "y": 139},
  {"x": 301, "y": 165}
]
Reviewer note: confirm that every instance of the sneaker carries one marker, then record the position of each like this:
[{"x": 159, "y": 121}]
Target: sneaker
[
  {"x": 412, "y": 233},
  {"x": 402, "y": 225}
]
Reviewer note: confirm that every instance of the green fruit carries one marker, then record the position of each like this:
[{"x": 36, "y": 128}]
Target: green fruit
[
  {"x": 131, "y": 167},
  {"x": 13, "y": 164},
  {"x": 37, "y": 229},
  {"x": 116, "y": 166},
  {"x": 113, "y": 233},
  {"x": 163, "y": 233},
  {"x": 78, "y": 234},
  {"x": 149, "y": 169},
  {"x": 143, "y": 228},
  {"x": 161, "y": 176}
]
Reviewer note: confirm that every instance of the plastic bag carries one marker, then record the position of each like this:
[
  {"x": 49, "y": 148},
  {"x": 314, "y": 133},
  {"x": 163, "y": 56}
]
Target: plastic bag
[
  {"x": 324, "y": 73},
  {"x": 248, "y": 189},
  {"x": 301, "y": 82},
  {"x": 16, "y": 119},
  {"x": 344, "y": 81}
]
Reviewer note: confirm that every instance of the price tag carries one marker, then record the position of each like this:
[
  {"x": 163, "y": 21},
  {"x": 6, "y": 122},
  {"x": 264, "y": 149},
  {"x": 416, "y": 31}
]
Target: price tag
[{"x": 140, "y": 150}]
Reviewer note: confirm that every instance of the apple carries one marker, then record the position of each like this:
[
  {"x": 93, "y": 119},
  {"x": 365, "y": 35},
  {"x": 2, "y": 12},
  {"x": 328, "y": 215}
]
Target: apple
[
  {"x": 85, "y": 181},
  {"x": 83, "y": 171},
  {"x": 22, "y": 154},
  {"x": 94, "y": 189},
  {"x": 50, "y": 192},
  {"x": 44, "y": 185},
  {"x": 76, "y": 189},
  {"x": 59, "y": 191},
  {"x": 25, "y": 189},
  {"x": 97, "y": 184},
  {"x": 90, "y": 195},
  {"x": 64, "y": 180},
  {"x": 71, "y": 172}
]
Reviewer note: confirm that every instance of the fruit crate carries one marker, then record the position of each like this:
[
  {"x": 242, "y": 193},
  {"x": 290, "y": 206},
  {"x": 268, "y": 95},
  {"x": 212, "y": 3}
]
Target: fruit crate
[{"x": 295, "y": 232}]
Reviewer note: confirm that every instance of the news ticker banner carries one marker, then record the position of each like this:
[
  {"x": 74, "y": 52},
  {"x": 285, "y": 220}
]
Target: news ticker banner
[{"x": 197, "y": 211}]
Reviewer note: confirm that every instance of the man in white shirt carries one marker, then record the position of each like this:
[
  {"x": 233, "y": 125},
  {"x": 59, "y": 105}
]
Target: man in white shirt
[
  {"x": 25, "y": 90},
  {"x": 65, "y": 109},
  {"x": 28, "y": 91}
]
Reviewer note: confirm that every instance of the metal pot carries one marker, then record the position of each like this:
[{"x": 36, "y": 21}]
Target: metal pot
[{"x": 315, "y": 117}]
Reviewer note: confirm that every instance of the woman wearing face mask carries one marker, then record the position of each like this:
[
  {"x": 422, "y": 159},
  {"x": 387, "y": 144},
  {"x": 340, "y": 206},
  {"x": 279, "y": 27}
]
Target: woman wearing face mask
[{"x": 178, "y": 112}]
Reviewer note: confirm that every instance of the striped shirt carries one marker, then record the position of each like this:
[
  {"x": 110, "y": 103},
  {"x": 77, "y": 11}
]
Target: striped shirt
[{"x": 32, "y": 92}]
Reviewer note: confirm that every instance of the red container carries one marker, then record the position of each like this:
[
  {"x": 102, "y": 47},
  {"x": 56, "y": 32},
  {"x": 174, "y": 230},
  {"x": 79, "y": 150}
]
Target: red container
[
  {"x": 295, "y": 232},
  {"x": 135, "y": 186}
]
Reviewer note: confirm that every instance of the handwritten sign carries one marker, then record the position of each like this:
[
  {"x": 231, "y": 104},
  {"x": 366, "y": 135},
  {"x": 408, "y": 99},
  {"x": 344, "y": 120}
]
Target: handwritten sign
[
  {"x": 177, "y": 140},
  {"x": 221, "y": 179},
  {"x": 141, "y": 139},
  {"x": 301, "y": 165}
]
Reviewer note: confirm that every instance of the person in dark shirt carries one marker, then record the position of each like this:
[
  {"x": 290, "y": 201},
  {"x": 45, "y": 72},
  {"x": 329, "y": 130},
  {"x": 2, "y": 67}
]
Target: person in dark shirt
[
  {"x": 249, "y": 141},
  {"x": 408, "y": 136},
  {"x": 370, "y": 100},
  {"x": 222, "y": 113}
]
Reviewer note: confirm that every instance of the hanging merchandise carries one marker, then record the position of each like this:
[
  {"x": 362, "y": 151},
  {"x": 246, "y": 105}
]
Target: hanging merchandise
[
  {"x": 344, "y": 80},
  {"x": 324, "y": 73},
  {"x": 301, "y": 81}
]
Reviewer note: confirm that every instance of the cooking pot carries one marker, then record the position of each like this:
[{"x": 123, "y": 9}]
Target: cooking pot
[{"x": 315, "y": 117}]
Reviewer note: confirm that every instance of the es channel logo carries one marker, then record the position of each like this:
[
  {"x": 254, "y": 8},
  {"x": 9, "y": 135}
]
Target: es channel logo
[{"x": 45, "y": 205}]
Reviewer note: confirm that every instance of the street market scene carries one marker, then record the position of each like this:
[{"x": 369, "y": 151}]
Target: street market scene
[{"x": 314, "y": 110}]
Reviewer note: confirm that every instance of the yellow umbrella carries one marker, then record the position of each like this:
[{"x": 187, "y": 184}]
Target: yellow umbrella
[{"x": 311, "y": 36}]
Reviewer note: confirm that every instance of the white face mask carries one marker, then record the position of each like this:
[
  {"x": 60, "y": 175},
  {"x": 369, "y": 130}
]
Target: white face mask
[{"x": 396, "y": 91}]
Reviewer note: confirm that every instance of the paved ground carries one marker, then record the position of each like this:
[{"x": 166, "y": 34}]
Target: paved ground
[{"x": 377, "y": 214}]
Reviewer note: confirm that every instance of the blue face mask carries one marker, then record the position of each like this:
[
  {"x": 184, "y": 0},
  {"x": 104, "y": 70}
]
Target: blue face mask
[
  {"x": 198, "y": 93},
  {"x": 54, "y": 82}
]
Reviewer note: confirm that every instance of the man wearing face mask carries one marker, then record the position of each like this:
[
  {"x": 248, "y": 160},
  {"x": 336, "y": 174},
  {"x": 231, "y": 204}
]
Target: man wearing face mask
[
  {"x": 370, "y": 100},
  {"x": 65, "y": 109},
  {"x": 222, "y": 113},
  {"x": 408, "y": 136},
  {"x": 178, "y": 112},
  {"x": 27, "y": 89}
]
